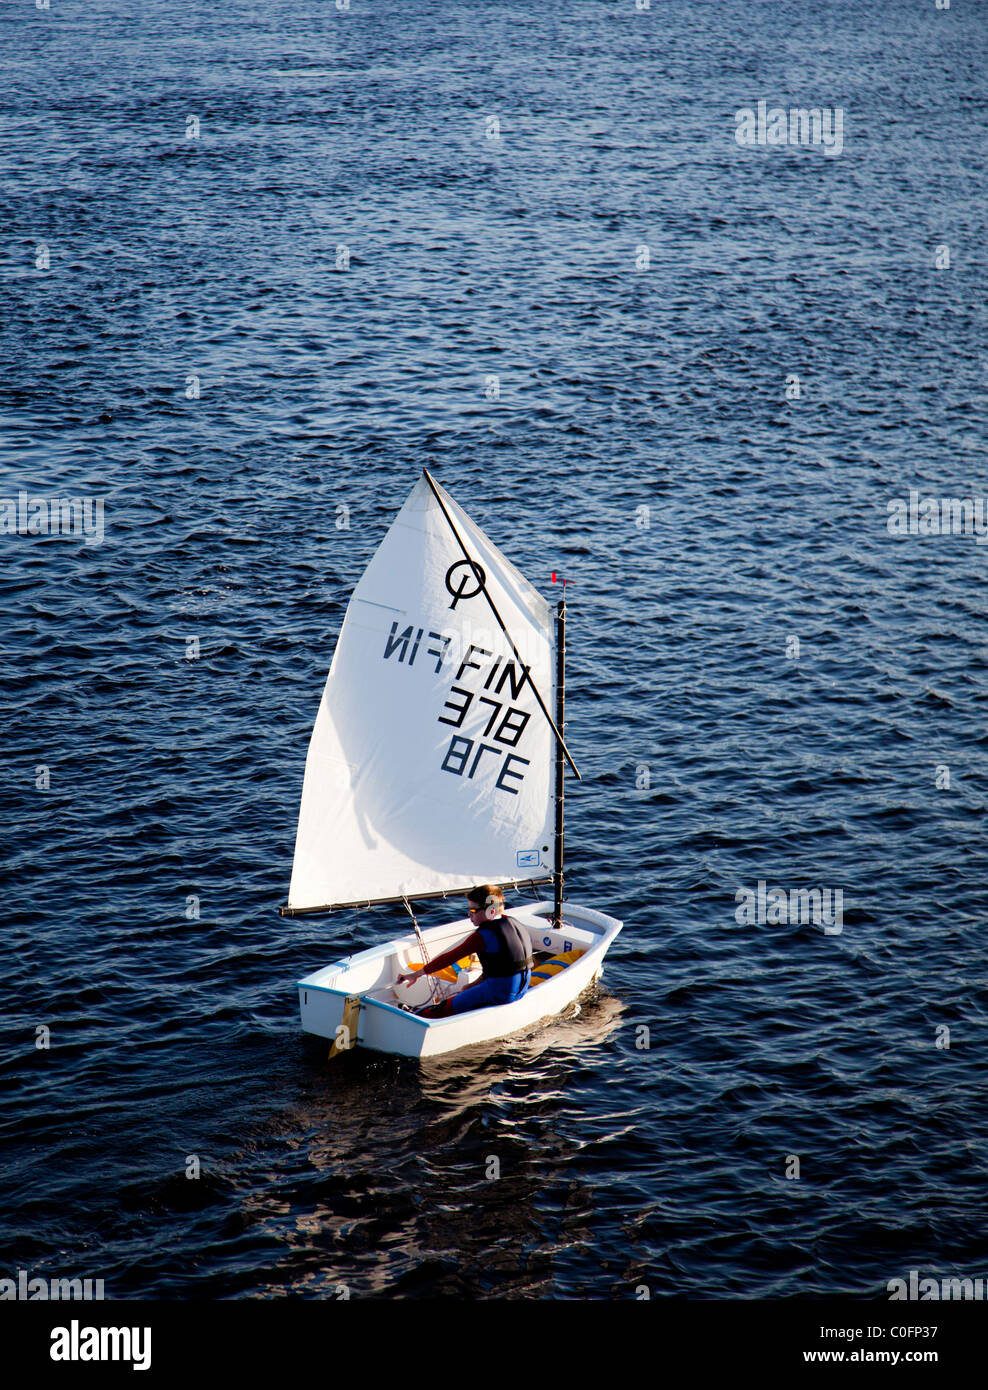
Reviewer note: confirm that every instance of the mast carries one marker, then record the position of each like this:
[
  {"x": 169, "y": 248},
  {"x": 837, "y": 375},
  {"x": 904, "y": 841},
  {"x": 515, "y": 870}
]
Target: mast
[{"x": 557, "y": 915}]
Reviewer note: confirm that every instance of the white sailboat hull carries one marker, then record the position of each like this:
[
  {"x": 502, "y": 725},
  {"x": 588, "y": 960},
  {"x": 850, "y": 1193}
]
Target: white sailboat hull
[{"x": 382, "y": 1026}]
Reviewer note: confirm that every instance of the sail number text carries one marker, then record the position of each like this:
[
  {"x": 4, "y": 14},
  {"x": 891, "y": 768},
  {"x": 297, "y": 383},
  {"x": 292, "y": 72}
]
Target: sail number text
[{"x": 506, "y": 722}]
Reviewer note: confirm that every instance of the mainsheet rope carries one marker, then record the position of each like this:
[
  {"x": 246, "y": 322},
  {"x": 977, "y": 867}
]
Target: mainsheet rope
[{"x": 433, "y": 982}]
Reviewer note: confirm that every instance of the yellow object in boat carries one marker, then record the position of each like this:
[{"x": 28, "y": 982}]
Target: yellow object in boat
[
  {"x": 448, "y": 972},
  {"x": 547, "y": 968}
]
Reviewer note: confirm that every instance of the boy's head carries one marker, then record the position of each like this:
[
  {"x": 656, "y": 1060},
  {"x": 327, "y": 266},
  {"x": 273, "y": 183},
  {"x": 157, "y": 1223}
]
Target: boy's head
[{"x": 486, "y": 900}]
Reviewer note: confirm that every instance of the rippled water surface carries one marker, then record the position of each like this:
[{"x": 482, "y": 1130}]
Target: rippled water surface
[{"x": 339, "y": 262}]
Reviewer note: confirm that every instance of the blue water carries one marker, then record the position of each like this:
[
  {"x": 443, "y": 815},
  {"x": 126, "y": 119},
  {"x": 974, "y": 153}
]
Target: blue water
[{"x": 342, "y": 257}]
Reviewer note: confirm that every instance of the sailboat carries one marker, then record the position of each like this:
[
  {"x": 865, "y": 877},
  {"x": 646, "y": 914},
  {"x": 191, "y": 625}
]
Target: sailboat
[{"x": 435, "y": 765}]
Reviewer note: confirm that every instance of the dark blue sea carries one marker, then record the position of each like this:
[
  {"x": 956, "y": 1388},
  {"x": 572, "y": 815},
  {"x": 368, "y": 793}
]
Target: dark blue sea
[{"x": 260, "y": 264}]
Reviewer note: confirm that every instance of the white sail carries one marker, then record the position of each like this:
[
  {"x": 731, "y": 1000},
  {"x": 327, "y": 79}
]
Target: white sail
[{"x": 430, "y": 764}]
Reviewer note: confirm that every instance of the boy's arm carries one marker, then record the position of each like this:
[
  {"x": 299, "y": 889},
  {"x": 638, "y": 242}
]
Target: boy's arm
[{"x": 474, "y": 942}]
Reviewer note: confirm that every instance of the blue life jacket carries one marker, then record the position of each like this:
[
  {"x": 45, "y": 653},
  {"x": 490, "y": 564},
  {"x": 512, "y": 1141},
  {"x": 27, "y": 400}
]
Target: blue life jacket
[{"x": 507, "y": 949}]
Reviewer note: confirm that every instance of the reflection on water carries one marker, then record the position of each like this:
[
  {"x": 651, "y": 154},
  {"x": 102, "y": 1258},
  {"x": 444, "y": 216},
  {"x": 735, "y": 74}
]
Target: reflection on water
[{"x": 445, "y": 1175}]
